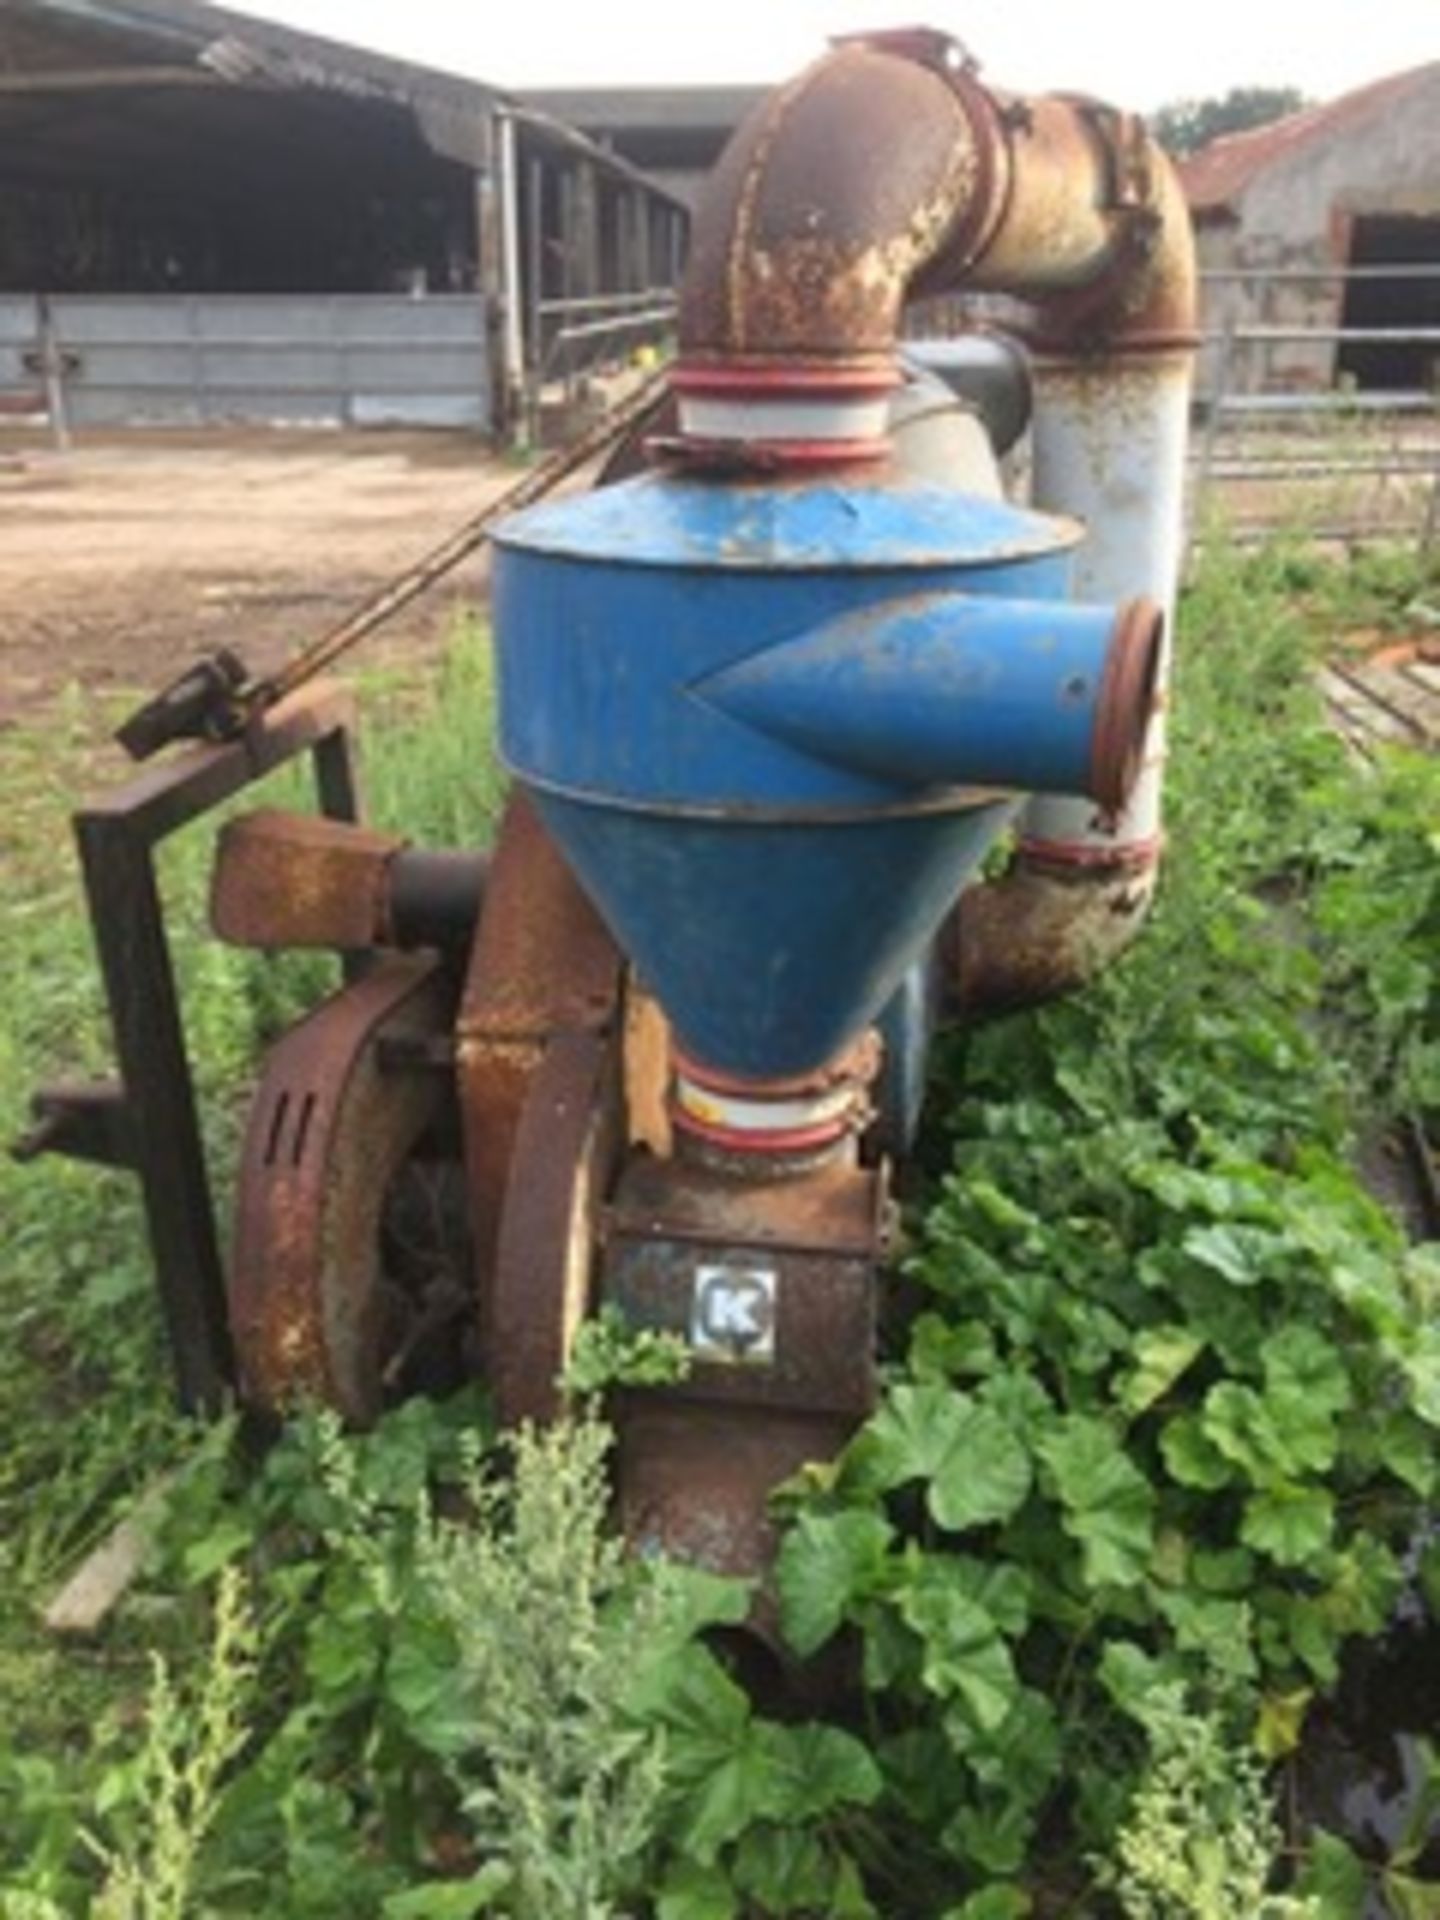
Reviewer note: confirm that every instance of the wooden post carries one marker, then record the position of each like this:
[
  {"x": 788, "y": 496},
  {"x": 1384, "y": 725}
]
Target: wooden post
[
  {"x": 534, "y": 267},
  {"x": 569, "y": 249},
  {"x": 488, "y": 271},
  {"x": 52, "y": 373},
  {"x": 513, "y": 319},
  {"x": 588, "y": 221}
]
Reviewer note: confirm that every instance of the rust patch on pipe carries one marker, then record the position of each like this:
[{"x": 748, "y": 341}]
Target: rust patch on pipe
[
  {"x": 829, "y": 200},
  {"x": 1040, "y": 931},
  {"x": 1139, "y": 292}
]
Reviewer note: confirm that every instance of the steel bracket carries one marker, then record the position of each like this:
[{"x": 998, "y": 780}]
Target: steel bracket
[{"x": 80, "y": 1121}]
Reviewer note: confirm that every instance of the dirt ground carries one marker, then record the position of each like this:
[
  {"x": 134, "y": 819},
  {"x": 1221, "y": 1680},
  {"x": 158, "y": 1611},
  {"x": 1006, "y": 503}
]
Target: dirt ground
[{"x": 124, "y": 558}]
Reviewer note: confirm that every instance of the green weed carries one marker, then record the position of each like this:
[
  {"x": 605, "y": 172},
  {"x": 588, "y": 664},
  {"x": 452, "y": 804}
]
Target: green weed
[
  {"x": 161, "y": 1807},
  {"x": 86, "y": 1406},
  {"x": 1168, "y": 1411},
  {"x": 1201, "y": 1839},
  {"x": 1162, "y": 1418}
]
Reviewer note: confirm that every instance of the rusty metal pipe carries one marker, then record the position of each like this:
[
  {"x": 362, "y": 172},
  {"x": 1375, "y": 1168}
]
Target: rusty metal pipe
[
  {"x": 1095, "y": 234},
  {"x": 435, "y": 896},
  {"x": 301, "y": 880},
  {"x": 1037, "y": 932},
  {"x": 887, "y": 169},
  {"x": 830, "y": 199},
  {"x": 1111, "y": 418}
]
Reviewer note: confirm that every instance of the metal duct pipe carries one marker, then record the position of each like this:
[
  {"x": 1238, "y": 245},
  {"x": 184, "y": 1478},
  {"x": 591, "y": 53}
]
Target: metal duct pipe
[
  {"x": 1112, "y": 407},
  {"x": 1109, "y": 448},
  {"x": 886, "y": 170}
]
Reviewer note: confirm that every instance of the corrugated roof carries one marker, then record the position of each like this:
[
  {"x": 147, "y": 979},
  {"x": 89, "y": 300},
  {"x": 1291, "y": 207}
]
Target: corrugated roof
[
  {"x": 277, "y": 53},
  {"x": 649, "y": 109},
  {"x": 1214, "y": 176},
  {"x": 263, "y": 57}
]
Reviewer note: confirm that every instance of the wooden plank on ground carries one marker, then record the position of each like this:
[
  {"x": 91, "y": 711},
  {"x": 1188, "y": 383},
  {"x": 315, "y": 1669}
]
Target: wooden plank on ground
[
  {"x": 105, "y": 1575},
  {"x": 1399, "y": 693},
  {"x": 1356, "y": 715}
]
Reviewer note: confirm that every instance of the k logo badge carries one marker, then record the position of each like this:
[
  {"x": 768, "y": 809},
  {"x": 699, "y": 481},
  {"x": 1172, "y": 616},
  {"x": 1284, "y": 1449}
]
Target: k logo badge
[{"x": 732, "y": 1318}]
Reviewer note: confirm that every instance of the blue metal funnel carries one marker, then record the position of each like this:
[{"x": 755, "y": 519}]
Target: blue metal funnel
[
  {"x": 775, "y": 726},
  {"x": 781, "y": 941}
]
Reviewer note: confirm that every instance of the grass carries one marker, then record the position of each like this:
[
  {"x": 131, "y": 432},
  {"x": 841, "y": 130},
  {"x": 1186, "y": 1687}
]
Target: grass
[{"x": 85, "y": 1413}]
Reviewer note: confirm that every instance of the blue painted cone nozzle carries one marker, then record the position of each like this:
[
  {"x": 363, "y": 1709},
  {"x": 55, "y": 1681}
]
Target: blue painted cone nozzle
[
  {"x": 951, "y": 689},
  {"x": 775, "y": 726}
]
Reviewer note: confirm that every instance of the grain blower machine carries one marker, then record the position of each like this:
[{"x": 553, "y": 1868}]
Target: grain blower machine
[{"x": 768, "y": 702}]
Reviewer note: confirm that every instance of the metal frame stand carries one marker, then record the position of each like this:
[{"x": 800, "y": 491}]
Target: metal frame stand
[{"x": 148, "y": 1121}]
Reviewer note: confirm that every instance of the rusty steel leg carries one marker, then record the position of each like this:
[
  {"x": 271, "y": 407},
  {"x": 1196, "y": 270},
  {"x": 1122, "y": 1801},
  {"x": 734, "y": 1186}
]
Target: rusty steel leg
[
  {"x": 164, "y": 1126},
  {"x": 543, "y": 964},
  {"x": 337, "y": 775},
  {"x": 336, "y": 766}
]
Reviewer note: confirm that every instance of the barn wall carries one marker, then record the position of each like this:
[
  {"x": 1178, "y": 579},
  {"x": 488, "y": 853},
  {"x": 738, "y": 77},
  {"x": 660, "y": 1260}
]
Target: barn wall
[
  {"x": 1296, "y": 212},
  {"x": 205, "y": 359},
  {"x": 1387, "y": 163}
]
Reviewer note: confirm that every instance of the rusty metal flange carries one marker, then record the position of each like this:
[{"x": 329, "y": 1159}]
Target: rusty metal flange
[
  {"x": 310, "y": 1310},
  {"x": 542, "y": 964},
  {"x": 567, "y": 1149}
]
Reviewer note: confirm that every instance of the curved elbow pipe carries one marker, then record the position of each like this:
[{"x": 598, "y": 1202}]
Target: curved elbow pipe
[
  {"x": 885, "y": 170},
  {"x": 835, "y": 194},
  {"x": 1039, "y": 931}
]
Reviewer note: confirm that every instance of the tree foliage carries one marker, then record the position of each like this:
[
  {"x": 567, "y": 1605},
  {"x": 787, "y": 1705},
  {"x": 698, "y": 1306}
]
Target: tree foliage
[{"x": 1184, "y": 126}]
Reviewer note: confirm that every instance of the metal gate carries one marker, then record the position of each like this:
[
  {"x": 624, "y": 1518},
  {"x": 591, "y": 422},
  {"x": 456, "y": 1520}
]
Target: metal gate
[{"x": 1288, "y": 443}]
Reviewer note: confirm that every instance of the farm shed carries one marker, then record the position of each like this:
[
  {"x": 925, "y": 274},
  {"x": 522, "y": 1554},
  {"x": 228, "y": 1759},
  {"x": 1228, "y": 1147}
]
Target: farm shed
[
  {"x": 674, "y": 133},
  {"x": 205, "y": 215},
  {"x": 1353, "y": 184}
]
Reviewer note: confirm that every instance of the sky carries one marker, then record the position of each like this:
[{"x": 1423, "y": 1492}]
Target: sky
[{"x": 1136, "y": 53}]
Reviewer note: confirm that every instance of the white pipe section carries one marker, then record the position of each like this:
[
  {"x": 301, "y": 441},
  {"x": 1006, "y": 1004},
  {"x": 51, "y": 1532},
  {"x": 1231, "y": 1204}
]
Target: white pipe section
[
  {"x": 705, "y": 418},
  {"x": 934, "y": 438},
  {"x": 1109, "y": 449},
  {"x": 940, "y": 442},
  {"x": 759, "y": 1117}
]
